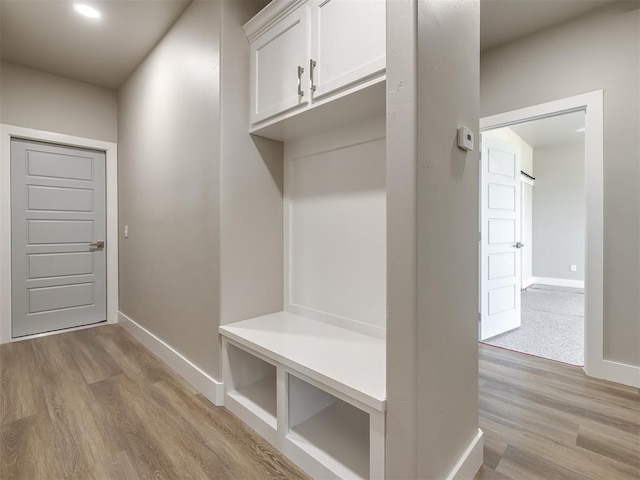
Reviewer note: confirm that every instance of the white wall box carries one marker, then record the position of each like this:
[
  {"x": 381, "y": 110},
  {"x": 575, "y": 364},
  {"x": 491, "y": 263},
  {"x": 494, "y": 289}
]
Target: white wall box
[{"x": 305, "y": 53}]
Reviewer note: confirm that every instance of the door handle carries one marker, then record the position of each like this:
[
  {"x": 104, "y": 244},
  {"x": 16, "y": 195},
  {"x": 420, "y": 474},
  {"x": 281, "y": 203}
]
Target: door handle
[
  {"x": 519, "y": 245},
  {"x": 300, "y": 72},
  {"x": 99, "y": 245},
  {"x": 312, "y": 66}
]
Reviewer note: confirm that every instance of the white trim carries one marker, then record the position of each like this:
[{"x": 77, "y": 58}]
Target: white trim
[
  {"x": 557, "y": 282},
  {"x": 528, "y": 282},
  {"x": 111, "y": 151},
  {"x": 616, "y": 372},
  {"x": 208, "y": 386},
  {"x": 470, "y": 461},
  {"x": 593, "y": 105},
  {"x": 275, "y": 11}
]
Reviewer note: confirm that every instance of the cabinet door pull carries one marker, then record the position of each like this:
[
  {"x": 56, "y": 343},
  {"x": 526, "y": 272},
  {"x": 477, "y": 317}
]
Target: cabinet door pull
[
  {"x": 312, "y": 66},
  {"x": 300, "y": 72}
]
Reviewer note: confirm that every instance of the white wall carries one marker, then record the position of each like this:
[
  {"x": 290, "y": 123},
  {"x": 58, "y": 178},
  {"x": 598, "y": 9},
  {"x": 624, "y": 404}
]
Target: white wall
[
  {"x": 559, "y": 212},
  {"x": 335, "y": 223},
  {"x": 42, "y": 101},
  {"x": 250, "y": 188},
  {"x": 169, "y": 186},
  {"x": 598, "y": 51},
  {"x": 432, "y": 259},
  {"x": 527, "y": 230}
]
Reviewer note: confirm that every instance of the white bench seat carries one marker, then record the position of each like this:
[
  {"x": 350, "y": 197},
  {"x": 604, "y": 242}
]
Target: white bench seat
[
  {"x": 347, "y": 361},
  {"x": 314, "y": 390}
]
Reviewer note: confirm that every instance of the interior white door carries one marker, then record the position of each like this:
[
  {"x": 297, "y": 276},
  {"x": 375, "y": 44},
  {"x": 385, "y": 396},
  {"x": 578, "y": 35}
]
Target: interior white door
[
  {"x": 58, "y": 265},
  {"x": 279, "y": 67},
  {"x": 349, "y": 42},
  {"x": 500, "y": 238}
]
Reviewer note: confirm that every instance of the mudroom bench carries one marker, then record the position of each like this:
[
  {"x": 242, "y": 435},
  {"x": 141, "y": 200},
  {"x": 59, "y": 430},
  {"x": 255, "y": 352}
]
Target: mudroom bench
[{"x": 314, "y": 390}]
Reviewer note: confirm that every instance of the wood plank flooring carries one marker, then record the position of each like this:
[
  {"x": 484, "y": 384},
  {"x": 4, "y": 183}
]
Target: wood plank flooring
[
  {"x": 546, "y": 420},
  {"x": 95, "y": 404}
]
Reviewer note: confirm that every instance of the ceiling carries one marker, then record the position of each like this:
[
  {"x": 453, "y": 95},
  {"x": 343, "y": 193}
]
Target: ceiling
[
  {"x": 502, "y": 21},
  {"x": 49, "y": 35},
  {"x": 552, "y": 131}
]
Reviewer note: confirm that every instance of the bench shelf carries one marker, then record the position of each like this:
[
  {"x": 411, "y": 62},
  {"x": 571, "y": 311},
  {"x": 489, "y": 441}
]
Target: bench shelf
[{"x": 313, "y": 390}]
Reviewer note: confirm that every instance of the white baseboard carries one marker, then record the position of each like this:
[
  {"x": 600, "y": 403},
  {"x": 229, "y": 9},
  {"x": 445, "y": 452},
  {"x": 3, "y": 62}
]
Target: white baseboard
[
  {"x": 558, "y": 282},
  {"x": 613, "y": 372},
  {"x": 528, "y": 282},
  {"x": 208, "y": 386},
  {"x": 470, "y": 461}
]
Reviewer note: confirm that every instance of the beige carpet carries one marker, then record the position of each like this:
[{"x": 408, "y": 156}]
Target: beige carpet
[{"x": 552, "y": 325}]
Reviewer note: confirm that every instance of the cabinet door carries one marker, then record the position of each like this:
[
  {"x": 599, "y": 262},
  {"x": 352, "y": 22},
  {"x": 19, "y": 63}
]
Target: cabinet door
[
  {"x": 349, "y": 42},
  {"x": 277, "y": 85}
]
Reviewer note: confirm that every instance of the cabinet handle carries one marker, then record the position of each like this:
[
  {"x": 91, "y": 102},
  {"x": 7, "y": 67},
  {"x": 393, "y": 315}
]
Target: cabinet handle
[
  {"x": 312, "y": 66},
  {"x": 300, "y": 72}
]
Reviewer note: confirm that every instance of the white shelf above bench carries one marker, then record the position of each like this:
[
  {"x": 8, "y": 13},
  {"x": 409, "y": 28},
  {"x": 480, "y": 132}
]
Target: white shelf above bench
[{"x": 351, "y": 363}]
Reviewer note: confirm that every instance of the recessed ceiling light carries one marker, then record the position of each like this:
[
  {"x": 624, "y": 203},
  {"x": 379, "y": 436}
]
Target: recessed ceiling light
[
  {"x": 87, "y": 11},
  {"x": 580, "y": 130}
]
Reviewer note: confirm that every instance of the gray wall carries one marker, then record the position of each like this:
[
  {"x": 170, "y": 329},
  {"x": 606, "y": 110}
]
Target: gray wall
[
  {"x": 559, "y": 211},
  {"x": 251, "y": 186},
  {"x": 42, "y": 101},
  {"x": 169, "y": 181},
  {"x": 599, "y": 51},
  {"x": 432, "y": 328}
]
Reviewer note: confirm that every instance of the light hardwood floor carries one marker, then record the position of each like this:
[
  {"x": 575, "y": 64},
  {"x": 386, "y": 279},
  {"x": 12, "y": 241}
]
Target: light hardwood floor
[
  {"x": 96, "y": 404},
  {"x": 546, "y": 420}
]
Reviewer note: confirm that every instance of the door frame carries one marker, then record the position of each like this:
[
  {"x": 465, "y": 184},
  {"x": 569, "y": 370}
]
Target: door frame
[
  {"x": 8, "y": 132},
  {"x": 592, "y": 104}
]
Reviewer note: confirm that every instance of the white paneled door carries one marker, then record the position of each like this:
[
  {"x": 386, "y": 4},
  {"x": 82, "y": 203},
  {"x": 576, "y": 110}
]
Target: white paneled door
[
  {"x": 58, "y": 258},
  {"x": 500, "y": 238}
]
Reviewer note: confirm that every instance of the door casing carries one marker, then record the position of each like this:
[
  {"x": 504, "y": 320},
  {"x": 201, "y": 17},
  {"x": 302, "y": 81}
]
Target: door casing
[
  {"x": 7, "y": 132},
  {"x": 592, "y": 104}
]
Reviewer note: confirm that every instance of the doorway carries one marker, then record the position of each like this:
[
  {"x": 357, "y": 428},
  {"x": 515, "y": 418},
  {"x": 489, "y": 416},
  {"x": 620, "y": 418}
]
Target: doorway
[
  {"x": 592, "y": 104},
  {"x": 540, "y": 258},
  {"x": 9, "y": 134}
]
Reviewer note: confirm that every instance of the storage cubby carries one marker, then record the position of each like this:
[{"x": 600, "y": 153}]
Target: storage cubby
[
  {"x": 252, "y": 383},
  {"x": 323, "y": 404},
  {"x": 333, "y": 432},
  {"x": 330, "y": 402}
]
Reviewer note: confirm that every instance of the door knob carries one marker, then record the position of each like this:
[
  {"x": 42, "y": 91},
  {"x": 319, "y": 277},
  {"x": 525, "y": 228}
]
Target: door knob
[
  {"x": 519, "y": 245},
  {"x": 97, "y": 245}
]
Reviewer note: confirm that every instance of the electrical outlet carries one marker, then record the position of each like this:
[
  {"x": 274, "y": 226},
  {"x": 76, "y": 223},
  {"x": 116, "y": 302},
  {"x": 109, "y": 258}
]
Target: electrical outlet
[
  {"x": 574, "y": 268},
  {"x": 126, "y": 231}
]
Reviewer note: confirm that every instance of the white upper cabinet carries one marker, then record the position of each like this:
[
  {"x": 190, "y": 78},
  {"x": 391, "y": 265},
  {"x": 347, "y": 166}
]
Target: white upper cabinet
[
  {"x": 308, "y": 52},
  {"x": 348, "y": 42},
  {"x": 279, "y": 59}
]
